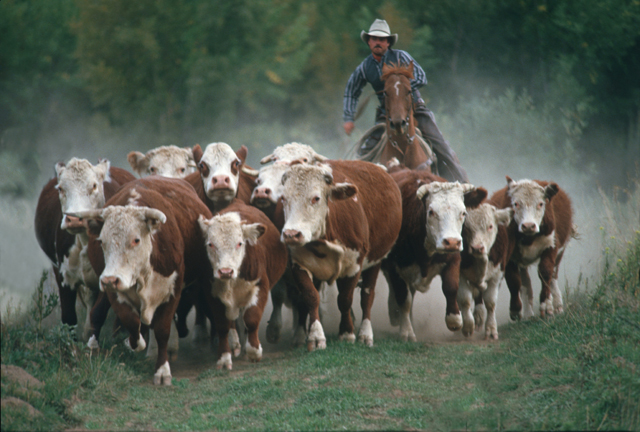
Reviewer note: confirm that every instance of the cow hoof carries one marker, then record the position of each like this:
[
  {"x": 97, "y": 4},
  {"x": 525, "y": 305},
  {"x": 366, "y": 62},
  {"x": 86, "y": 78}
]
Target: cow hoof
[
  {"x": 454, "y": 322},
  {"x": 316, "y": 337},
  {"x": 515, "y": 315},
  {"x": 225, "y": 361},
  {"x": 368, "y": 341},
  {"x": 559, "y": 310},
  {"x": 141, "y": 344},
  {"x": 163, "y": 375},
  {"x": 253, "y": 354},
  {"x": 93, "y": 343},
  {"x": 273, "y": 333},
  {"x": 467, "y": 330},
  {"x": 349, "y": 337}
]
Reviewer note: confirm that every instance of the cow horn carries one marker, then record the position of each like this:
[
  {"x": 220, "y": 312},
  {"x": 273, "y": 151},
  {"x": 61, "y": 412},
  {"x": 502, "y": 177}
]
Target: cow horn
[
  {"x": 151, "y": 213},
  {"x": 422, "y": 191},
  {"x": 267, "y": 159},
  {"x": 249, "y": 171}
]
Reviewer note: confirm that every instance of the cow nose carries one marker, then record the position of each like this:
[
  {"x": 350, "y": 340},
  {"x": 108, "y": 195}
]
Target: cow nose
[
  {"x": 111, "y": 282},
  {"x": 72, "y": 221},
  {"x": 452, "y": 244},
  {"x": 225, "y": 273},
  {"x": 292, "y": 236},
  {"x": 529, "y": 228},
  {"x": 477, "y": 249},
  {"x": 221, "y": 182},
  {"x": 262, "y": 193}
]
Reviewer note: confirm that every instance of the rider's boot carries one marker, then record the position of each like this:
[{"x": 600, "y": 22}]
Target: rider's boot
[{"x": 449, "y": 166}]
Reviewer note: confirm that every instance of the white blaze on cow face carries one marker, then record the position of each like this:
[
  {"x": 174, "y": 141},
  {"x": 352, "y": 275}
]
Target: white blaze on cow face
[
  {"x": 220, "y": 171},
  {"x": 529, "y": 201},
  {"x": 294, "y": 151},
  {"x": 481, "y": 227},
  {"x": 445, "y": 214},
  {"x": 306, "y": 193},
  {"x": 80, "y": 188},
  {"x": 126, "y": 237},
  {"x": 166, "y": 161}
]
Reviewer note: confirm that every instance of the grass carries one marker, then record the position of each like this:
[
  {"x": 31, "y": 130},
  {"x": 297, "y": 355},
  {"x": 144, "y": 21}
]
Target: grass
[{"x": 577, "y": 371}]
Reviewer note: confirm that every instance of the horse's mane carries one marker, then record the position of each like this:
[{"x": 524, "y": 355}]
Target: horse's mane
[{"x": 399, "y": 69}]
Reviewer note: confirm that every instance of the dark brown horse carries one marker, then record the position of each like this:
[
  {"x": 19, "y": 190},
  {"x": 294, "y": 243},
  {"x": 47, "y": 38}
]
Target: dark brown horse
[{"x": 402, "y": 142}]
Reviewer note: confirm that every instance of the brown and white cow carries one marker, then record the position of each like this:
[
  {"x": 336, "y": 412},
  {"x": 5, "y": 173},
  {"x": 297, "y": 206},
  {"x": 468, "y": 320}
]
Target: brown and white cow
[
  {"x": 266, "y": 196},
  {"x": 429, "y": 244},
  {"x": 166, "y": 161},
  {"x": 341, "y": 220},
  {"x": 540, "y": 230},
  {"x": 247, "y": 258},
  {"x": 78, "y": 186},
  {"x": 148, "y": 244},
  {"x": 484, "y": 258}
]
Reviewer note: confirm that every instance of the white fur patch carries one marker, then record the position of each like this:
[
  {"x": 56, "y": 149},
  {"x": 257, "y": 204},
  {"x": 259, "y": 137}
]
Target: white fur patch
[
  {"x": 93, "y": 343},
  {"x": 234, "y": 342},
  {"x": 225, "y": 361},
  {"x": 316, "y": 335},
  {"x": 162, "y": 375},
  {"x": 253, "y": 354},
  {"x": 530, "y": 254},
  {"x": 235, "y": 294},
  {"x": 141, "y": 344},
  {"x": 366, "y": 333}
]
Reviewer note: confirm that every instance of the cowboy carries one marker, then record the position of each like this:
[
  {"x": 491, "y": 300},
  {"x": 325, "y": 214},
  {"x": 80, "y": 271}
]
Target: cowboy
[{"x": 380, "y": 40}]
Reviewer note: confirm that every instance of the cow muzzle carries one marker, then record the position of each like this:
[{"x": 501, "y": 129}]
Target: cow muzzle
[
  {"x": 73, "y": 224},
  {"x": 292, "y": 237},
  {"x": 451, "y": 245},
  {"x": 477, "y": 249},
  {"x": 225, "y": 273},
  {"x": 529, "y": 228},
  {"x": 113, "y": 283}
]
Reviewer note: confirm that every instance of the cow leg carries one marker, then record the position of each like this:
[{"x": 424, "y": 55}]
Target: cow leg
[
  {"x": 546, "y": 270},
  {"x": 367, "y": 295},
  {"x": 200, "y": 334},
  {"x": 399, "y": 303},
  {"x": 252, "y": 317},
  {"x": 450, "y": 281},
  {"x": 555, "y": 291},
  {"x": 346, "y": 288},
  {"x": 67, "y": 300},
  {"x": 234, "y": 337},
  {"x": 490, "y": 296},
  {"x": 130, "y": 321},
  {"x": 527, "y": 291},
  {"x": 465, "y": 301},
  {"x": 311, "y": 298},
  {"x": 162, "y": 321},
  {"x": 479, "y": 312},
  {"x": 278, "y": 295},
  {"x": 97, "y": 318},
  {"x": 512, "y": 276}
]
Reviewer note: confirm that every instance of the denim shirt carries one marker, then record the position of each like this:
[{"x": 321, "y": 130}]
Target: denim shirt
[{"x": 369, "y": 71}]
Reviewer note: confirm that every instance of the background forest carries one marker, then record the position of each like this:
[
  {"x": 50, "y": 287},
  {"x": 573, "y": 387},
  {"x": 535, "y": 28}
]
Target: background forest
[{"x": 557, "y": 81}]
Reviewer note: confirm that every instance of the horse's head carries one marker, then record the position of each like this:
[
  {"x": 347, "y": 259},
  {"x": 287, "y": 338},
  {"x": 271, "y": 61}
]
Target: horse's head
[{"x": 397, "y": 96}]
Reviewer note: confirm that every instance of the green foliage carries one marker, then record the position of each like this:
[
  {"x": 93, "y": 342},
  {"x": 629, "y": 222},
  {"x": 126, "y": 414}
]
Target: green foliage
[{"x": 43, "y": 303}]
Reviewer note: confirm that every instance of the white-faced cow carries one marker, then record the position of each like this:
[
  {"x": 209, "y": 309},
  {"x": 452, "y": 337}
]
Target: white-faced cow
[
  {"x": 148, "y": 245},
  {"x": 484, "y": 258},
  {"x": 78, "y": 186},
  {"x": 429, "y": 244},
  {"x": 247, "y": 259},
  {"x": 341, "y": 220},
  {"x": 266, "y": 196},
  {"x": 541, "y": 228},
  {"x": 166, "y": 161}
]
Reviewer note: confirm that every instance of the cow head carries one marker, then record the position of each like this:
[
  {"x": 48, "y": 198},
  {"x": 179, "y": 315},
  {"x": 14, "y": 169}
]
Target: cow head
[
  {"x": 80, "y": 188},
  {"x": 165, "y": 161},
  {"x": 219, "y": 168},
  {"x": 294, "y": 151},
  {"x": 445, "y": 212},
  {"x": 126, "y": 236},
  {"x": 306, "y": 194},
  {"x": 268, "y": 188},
  {"x": 226, "y": 239},
  {"x": 529, "y": 201},
  {"x": 481, "y": 227}
]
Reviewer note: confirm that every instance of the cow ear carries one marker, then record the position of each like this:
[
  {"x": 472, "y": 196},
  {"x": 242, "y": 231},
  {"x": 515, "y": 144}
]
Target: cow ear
[
  {"x": 102, "y": 169},
  {"x": 343, "y": 191},
  {"x": 242, "y": 153},
  {"x": 252, "y": 232},
  {"x": 60, "y": 167},
  {"x": 139, "y": 163},
  {"x": 188, "y": 152},
  {"x": 204, "y": 223},
  {"x": 551, "y": 190},
  {"x": 509, "y": 180},
  {"x": 93, "y": 220},
  {"x": 474, "y": 197},
  {"x": 503, "y": 216},
  {"x": 197, "y": 153}
]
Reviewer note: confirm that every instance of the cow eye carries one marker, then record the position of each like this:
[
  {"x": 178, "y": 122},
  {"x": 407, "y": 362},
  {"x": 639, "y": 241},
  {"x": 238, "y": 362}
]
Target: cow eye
[
  {"x": 210, "y": 245},
  {"x": 431, "y": 213},
  {"x": 305, "y": 160},
  {"x": 182, "y": 170},
  {"x": 152, "y": 170},
  {"x": 490, "y": 227},
  {"x": 239, "y": 245},
  {"x": 60, "y": 190},
  {"x": 315, "y": 199},
  {"x": 136, "y": 241},
  {"x": 516, "y": 205},
  {"x": 95, "y": 186},
  {"x": 540, "y": 204},
  {"x": 463, "y": 215}
]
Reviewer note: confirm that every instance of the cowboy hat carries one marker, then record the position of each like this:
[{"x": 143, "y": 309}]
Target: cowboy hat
[{"x": 379, "y": 28}]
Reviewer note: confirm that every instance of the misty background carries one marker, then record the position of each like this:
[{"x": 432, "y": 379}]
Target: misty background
[{"x": 531, "y": 89}]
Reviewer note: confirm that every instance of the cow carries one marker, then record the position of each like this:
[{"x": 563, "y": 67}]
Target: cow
[
  {"x": 429, "y": 244},
  {"x": 540, "y": 230},
  {"x": 166, "y": 161},
  {"x": 266, "y": 196},
  {"x": 146, "y": 243},
  {"x": 484, "y": 258},
  {"x": 341, "y": 219},
  {"x": 247, "y": 258},
  {"x": 78, "y": 186},
  {"x": 218, "y": 182}
]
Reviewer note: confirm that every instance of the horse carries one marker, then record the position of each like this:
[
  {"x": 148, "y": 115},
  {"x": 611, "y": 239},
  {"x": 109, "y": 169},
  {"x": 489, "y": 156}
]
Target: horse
[{"x": 400, "y": 140}]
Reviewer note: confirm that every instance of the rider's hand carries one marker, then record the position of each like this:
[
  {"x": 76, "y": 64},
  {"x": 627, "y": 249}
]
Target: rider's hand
[{"x": 348, "y": 127}]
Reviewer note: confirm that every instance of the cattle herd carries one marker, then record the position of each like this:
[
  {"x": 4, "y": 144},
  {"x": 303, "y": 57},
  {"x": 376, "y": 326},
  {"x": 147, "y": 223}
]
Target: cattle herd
[{"x": 201, "y": 229}]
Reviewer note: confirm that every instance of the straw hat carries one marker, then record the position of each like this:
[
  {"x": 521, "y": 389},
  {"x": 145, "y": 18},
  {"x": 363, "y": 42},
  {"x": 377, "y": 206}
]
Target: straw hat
[{"x": 379, "y": 28}]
